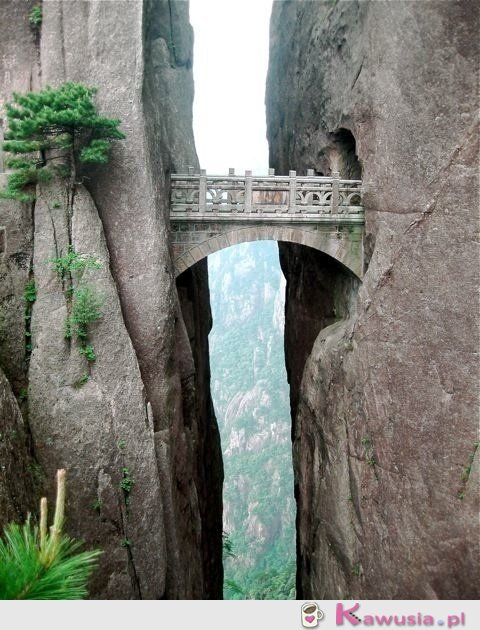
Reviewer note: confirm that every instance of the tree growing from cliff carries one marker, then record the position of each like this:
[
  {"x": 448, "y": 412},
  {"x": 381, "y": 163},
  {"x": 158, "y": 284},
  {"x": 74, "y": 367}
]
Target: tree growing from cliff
[{"x": 49, "y": 132}]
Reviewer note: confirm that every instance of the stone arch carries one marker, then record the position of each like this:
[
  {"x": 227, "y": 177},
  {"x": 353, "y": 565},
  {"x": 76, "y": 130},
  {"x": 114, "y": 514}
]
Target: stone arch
[{"x": 344, "y": 244}]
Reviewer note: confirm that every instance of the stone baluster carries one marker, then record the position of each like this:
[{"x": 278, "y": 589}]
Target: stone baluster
[
  {"x": 248, "y": 192},
  {"x": 310, "y": 172},
  {"x": 335, "y": 191},
  {"x": 271, "y": 172},
  {"x": 202, "y": 192},
  {"x": 190, "y": 170},
  {"x": 292, "y": 190}
]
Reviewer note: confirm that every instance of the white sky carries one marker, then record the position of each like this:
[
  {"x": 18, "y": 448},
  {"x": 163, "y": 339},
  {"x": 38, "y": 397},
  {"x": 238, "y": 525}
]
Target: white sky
[{"x": 230, "y": 69}]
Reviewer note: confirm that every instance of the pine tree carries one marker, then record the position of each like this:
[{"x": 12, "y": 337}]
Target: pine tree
[
  {"x": 54, "y": 124},
  {"x": 40, "y": 564}
]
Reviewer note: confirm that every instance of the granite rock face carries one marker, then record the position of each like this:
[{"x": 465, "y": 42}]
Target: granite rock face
[
  {"x": 18, "y": 73},
  {"x": 16, "y": 469},
  {"x": 386, "y": 416},
  {"x": 145, "y": 412}
]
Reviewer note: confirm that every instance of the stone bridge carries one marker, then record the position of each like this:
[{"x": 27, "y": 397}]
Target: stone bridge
[{"x": 211, "y": 212}]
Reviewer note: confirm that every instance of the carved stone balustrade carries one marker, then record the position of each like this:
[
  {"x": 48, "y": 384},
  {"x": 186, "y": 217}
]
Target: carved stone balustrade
[
  {"x": 266, "y": 198},
  {"x": 210, "y": 212}
]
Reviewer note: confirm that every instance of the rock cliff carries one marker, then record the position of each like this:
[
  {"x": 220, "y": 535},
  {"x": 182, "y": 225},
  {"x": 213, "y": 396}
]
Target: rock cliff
[
  {"x": 385, "y": 418},
  {"x": 143, "y": 409}
]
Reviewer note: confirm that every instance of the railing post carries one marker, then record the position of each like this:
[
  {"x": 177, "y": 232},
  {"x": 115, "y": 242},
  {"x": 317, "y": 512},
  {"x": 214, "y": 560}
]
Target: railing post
[
  {"x": 202, "y": 191},
  {"x": 271, "y": 172},
  {"x": 335, "y": 191},
  {"x": 292, "y": 190},
  {"x": 310, "y": 172},
  {"x": 190, "y": 170},
  {"x": 248, "y": 191},
  {"x": 231, "y": 172}
]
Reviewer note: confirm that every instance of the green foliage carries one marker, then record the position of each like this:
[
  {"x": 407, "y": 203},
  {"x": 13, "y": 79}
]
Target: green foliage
[
  {"x": 277, "y": 582},
  {"x": 96, "y": 152},
  {"x": 97, "y": 505},
  {"x": 81, "y": 381},
  {"x": 371, "y": 460},
  {"x": 25, "y": 574},
  {"x": 88, "y": 352},
  {"x": 63, "y": 120},
  {"x": 468, "y": 468},
  {"x": 126, "y": 542},
  {"x": 356, "y": 569},
  {"x": 86, "y": 310},
  {"x": 367, "y": 441},
  {"x": 73, "y": 263},
  {"x": 36, "y": 16},
  {"x": 39, "y": 564},
  {"x": 126, "y": 483},
  {"x": 233, "y": 591},
  {"x": 227, "y": 546},
  {"x": 86, "y": 304},
  {"x": 21, "y": 179},
  {"x": 30, "y": 292}
]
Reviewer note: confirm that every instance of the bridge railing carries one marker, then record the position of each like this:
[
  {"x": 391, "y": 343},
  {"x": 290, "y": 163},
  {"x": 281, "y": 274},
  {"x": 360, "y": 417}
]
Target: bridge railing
[{"x": 295, "y": 196}]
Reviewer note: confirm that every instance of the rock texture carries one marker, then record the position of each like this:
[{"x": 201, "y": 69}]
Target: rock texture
[
  {"x": 18, "y": 73},
  {"x": 386, "y": 425},
  {"x": 16, "y": 465},
  {"x": 146, "y": 406}
]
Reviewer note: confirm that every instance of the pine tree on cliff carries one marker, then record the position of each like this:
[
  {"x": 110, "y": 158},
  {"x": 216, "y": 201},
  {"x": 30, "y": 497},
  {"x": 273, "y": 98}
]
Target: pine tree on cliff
[{"x": 52, "y": 128}]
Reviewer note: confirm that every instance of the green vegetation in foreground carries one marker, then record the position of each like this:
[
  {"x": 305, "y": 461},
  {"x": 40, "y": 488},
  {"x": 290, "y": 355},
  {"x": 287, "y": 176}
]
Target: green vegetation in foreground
[
  {"x": 39, "y": 564},
  {"x": 52, "y": 128}
]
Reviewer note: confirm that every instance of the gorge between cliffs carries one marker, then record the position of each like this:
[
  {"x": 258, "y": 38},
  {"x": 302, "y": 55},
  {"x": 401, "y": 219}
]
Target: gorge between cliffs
[{"x": 380, "y": 315}]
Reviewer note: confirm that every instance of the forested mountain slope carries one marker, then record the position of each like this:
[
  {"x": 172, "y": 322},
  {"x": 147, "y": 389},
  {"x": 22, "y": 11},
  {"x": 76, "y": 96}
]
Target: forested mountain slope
[{"x": 250, "y": 393}]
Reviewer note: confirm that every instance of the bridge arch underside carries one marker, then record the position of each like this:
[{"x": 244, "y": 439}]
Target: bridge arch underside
[{"x": 193, "y": 242}]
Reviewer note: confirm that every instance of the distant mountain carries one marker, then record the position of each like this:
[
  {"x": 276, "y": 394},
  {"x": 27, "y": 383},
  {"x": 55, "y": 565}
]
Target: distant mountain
[{"x": 250, "y": 394}]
